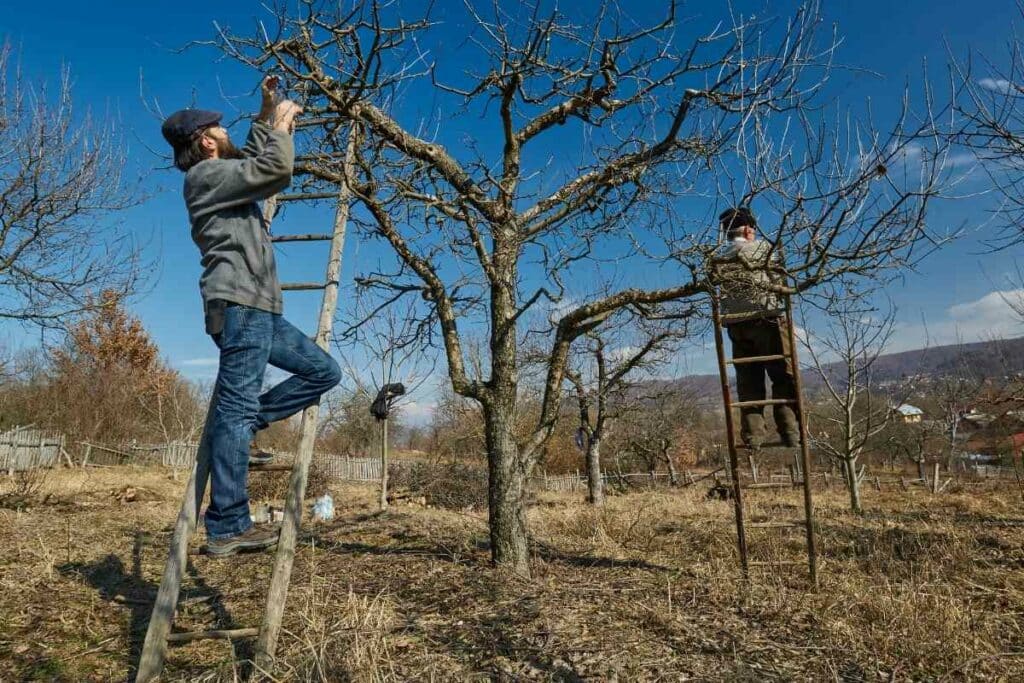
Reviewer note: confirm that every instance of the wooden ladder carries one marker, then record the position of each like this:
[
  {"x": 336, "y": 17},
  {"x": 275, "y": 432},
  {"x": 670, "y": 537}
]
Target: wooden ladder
[
  {"x": 158, "y": 635},
  {"x": 738, "y": 488}
]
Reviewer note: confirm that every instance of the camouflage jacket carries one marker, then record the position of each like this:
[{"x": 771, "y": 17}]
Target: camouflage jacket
[{"x": 740, "y": 268}]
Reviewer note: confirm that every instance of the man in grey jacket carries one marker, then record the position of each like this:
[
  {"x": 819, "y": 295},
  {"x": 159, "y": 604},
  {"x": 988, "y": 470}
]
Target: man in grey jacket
[
  {"x": 756, "y": 325},
  {"x": 242, "y": 299}
]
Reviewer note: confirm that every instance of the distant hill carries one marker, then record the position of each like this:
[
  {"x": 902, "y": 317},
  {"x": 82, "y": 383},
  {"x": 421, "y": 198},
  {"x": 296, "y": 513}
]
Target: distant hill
[{"x": 985, "y": 359}]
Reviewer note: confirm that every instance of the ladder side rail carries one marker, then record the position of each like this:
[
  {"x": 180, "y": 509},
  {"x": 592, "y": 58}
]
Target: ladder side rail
[
  {"x": 154, "y": 649},
  {"x": 730, "y": 436},
  {"x": 278, "y": 591},
  {"x": 805, "y": 454}
]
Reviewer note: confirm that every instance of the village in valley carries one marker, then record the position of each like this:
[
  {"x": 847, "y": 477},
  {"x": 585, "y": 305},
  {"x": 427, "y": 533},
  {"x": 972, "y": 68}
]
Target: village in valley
[{"x": 383, "y": 340}]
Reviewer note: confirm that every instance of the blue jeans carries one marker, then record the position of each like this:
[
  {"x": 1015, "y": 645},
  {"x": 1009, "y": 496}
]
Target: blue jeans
[{"x": 251, "y": 339}]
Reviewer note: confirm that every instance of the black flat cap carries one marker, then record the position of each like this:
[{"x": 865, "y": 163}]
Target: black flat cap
[
  {"x": 737, "y": 217},
  {"x": 181, "y": 125}
]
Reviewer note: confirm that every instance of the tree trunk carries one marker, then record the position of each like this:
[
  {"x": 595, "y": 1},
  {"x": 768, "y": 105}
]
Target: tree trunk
[
  {"x": 920, "y": 470},
  {"x": 673, "y": 475},
  {"x": 506, "y": 488},
  {"x": 595, "y": 485},
  {"x": 853, "y": 483}
]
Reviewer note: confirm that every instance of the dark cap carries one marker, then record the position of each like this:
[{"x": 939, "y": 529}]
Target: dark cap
[
  {"x": 180, "y": 126},
  {"x": 733, "y": 219}
]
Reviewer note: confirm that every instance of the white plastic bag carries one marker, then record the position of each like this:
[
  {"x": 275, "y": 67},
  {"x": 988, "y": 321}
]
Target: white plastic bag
[{"x": 323, "y": 508}]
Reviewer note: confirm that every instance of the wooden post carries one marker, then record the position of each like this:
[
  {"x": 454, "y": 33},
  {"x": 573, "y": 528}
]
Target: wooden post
[
  {"x": 384, "y": 464},
  {"x": 935, "y": 479},
  {"x": 13, "y": 461},
  {"x": 88, "y": 450},
  {"x": 277, "y": 595},
  {"x": 878, "y": 484}
]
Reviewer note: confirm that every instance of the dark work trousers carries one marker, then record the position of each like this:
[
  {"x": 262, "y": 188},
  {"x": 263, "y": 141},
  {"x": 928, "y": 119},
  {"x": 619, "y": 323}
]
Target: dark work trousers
[{"x": 764, "y": 337}]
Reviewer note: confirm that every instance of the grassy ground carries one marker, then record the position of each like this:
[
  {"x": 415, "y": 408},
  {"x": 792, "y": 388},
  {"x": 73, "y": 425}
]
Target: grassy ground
[{"x": 919, "y": 588}]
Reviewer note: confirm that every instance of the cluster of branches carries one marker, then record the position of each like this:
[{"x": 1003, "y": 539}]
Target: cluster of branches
[
  {"x": 61, "y": 182},
  {"x": 495, "y": 233}
]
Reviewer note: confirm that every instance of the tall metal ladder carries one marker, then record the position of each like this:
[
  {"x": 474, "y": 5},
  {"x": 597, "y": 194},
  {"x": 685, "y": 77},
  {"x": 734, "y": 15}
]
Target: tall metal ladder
[
  {"x": 158, "y": 635},
  {"x": 738, "y": 487}
]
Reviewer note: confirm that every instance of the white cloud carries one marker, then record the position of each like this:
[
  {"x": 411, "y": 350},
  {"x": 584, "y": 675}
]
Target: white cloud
[
  {"x": 991, "y": 314},
  {"x": 960, "y": 160},
  {"x": 990, "y": 317},
  {"x": 622, "y": 353},
  {"x": 199, "y": 362},
  {"x": 997, "y": 85},
  {"x": 418, "y": 412}
]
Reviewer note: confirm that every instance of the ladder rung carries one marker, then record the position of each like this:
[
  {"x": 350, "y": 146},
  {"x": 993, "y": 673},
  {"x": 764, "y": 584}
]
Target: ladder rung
[
  {"x": 765, "y": 402},
  {"x": 297, "y": 286},
  {"x": 770, "y": 444},
  {"x": 769, "y": 485},
  {"x": 756, "y": 359},
  {"x": 305, "y": 196},
  {"x": 270, "y": 468},
  {"x": 774, "y": 564},
  {"x": 301, "y": 238},
  {"x": 749, "y": 315},
  {"x": 774, "y": 525},
  {"x": 227, "y": 634}
]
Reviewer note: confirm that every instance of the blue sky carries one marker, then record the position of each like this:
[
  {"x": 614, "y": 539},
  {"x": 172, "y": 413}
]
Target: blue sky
[{"x": 108, "y": 45}]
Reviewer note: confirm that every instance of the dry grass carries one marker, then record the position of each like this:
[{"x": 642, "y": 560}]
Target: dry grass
[{"x": 920, "y": 588}]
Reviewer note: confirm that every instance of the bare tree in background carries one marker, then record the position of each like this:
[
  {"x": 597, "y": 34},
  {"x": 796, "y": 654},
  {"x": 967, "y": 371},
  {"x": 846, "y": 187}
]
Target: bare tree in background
[
  {"x": 483, "y": 234},
  {"x": 955, "y": 392},
  {"x": 844, "y": 357},
  {"x": 61, "y": 185},
  {"x": 603, "y": 376},
  {"x": 389, "y": 350},
  {"x": 661, "y": 424}
]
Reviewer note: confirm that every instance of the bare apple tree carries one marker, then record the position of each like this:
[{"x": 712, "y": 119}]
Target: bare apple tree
[
  {"x": 61, "y": 185},
  {"x": 544, "y": 166},
  {"x": 384, "y": 348},
  {"x": 856, "y": 408},
  {"x": 608, "y": 363}
]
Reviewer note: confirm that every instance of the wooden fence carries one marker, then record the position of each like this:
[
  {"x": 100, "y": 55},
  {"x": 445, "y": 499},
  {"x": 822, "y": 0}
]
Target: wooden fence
[
  {"x": 578, "y": 482},
  {"x": 344, "y": 468},
  {"x": 24, "y": 448},
  {"x": 176, "y": 454},
  {"x": 181, "y": 455}
]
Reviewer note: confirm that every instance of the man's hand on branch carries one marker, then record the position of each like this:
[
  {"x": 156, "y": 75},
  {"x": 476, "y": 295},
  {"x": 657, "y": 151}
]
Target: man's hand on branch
[
  {"x": 268, "y": 91},
  {"x": 284, "y": 115}
]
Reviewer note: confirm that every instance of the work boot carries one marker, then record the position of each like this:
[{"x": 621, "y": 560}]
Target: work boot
[
  {"x": 752, "y": 429},
  {"x": 788, "y": 426},
  {"x": 251, "y": 540},
  {"x": 790, "y": 439},
  {"x": 258, "y": 458}
]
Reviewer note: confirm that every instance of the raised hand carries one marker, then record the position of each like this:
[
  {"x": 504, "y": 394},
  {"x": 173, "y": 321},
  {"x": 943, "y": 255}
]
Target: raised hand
[{"x": 284, "y": 115}]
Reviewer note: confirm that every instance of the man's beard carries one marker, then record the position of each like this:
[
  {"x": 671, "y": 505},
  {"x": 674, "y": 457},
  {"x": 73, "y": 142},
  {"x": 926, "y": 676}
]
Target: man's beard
[{"x": 227, "y": 150}]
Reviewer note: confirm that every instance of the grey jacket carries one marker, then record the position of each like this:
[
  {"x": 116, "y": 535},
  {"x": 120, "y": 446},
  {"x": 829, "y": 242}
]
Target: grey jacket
[
  {"x": 741, "y": 268},
  {"x": 222, "y": 197}
]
